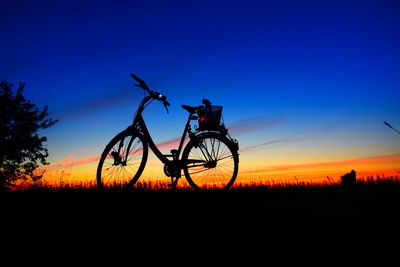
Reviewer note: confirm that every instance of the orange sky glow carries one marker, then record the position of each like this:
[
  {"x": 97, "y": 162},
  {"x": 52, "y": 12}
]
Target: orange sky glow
[{"x": 82, "y": 170}]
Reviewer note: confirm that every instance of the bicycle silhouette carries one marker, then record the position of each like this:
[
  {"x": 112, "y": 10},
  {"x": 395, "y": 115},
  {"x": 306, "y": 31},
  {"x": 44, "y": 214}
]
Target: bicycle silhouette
[{"x": 210, "y": 159}]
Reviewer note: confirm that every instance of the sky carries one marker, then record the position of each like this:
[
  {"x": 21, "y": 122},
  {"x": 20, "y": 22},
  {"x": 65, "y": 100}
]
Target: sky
[{"x": 305, "y": 85}]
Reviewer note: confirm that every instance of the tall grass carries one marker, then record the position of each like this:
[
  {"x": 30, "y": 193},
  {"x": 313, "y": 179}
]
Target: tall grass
[{"x": 162, "y": 185}]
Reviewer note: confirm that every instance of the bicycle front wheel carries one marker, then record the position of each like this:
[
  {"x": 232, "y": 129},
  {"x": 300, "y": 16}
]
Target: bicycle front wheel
[
  {"x": 210, "y": 162},
  {"x": 122, "y": 161}
]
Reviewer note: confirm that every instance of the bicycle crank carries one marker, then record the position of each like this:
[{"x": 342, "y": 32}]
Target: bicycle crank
[{"x": 171, "y": 170}]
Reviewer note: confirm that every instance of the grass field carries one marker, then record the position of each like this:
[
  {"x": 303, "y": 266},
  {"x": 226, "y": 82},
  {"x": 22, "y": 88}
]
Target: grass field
[{"x": 297, "y": 225}]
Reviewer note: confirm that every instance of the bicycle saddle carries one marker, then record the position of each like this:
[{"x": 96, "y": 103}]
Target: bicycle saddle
[{"x": 191, "y": 109}]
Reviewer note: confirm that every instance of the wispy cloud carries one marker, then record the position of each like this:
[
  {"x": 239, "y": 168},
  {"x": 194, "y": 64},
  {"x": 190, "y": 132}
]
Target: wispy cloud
[
  {"x": 252, "y": 124},
  {"x": 95, "y": 104},
  {"x": 352, "y": 163},
  {"x": 169, "y": 144},
  {"x": 77, "y": 152},
  {"x": 272, "y": 142},
  {"x": 73, "y": 159},
  {"x": 84, "y": 160},
  {"x": 68, "y": 161},
  {"x": 309, "y": 134},
  {"x": 236, "y": 128}
]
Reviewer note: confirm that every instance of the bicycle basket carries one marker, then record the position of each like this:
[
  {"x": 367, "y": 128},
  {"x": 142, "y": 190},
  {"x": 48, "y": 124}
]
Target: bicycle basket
[{"x": 210, "y": 118}]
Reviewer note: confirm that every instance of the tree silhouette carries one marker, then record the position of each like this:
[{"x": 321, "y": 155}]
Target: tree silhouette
[{"x": 21, "y": 147}]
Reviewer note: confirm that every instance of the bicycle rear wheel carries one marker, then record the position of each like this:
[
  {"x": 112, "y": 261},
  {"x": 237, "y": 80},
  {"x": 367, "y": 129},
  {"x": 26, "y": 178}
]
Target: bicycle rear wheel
[
  {"x": 122, "y": 161},
  {"x": 210, "y": 162}
]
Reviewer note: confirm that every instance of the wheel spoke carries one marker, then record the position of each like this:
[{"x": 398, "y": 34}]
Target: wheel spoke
[
  {"x": 220, "y": 165},
  {"x": 123, "y": 162}
]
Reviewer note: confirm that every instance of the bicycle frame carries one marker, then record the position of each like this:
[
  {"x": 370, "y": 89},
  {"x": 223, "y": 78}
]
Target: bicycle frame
[
  {"x": 140, "y": 125},
  {"x": 119, "y": 164}
]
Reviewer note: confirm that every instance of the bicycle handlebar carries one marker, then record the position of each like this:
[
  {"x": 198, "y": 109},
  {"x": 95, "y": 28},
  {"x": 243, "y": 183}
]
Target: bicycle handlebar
[
  {"x": 141, "y": 84},
  {"x": 160, "y": 97},
  {"x": 153, "y": 94}
]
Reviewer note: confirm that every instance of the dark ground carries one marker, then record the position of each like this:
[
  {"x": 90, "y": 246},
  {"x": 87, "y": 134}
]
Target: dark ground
[{"x": 328, "y": 226}]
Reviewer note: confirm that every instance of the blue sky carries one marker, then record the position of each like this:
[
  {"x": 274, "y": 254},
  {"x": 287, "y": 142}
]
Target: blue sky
[{"x": 324, "y": 73}]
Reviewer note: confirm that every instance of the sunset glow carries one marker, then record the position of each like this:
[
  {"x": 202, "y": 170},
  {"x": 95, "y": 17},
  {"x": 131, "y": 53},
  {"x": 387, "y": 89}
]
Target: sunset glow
[{"x": 305, "y": 87}]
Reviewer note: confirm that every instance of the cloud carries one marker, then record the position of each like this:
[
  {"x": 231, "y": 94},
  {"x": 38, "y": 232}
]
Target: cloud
[
  {"x": 95, "y": 104},
  {"x": 305, "y": 135},
  {"x": 169, "y": 144},
  {"x": 68, "y": 161},
  {"x": 85, "y": 160},
  {"x": 268, "y": 143},
  {"x": 238, "y": 127},
  {"x": 368, "y": 161},
  {"x": 84, "y": 150},
  {"x": 252, "y": 124}
]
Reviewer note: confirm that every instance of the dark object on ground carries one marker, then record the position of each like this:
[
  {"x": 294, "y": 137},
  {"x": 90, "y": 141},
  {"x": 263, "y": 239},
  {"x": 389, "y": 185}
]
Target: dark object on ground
[{"x": 349, "y": 178}]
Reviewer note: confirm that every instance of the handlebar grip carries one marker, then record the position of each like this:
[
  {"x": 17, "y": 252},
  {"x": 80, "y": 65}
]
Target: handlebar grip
[
  {"x": 157, "y": 95},
  {"x": 163, "y": 98},
  {"x": 160, "y": 97},
  {"x": 141, "y": 84},
  {"x": 136, "y": 78}
]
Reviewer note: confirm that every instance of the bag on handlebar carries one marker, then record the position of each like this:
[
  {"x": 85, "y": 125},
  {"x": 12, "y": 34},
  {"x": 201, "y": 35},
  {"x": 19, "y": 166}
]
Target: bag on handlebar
[{"x": 210, "y": 118}]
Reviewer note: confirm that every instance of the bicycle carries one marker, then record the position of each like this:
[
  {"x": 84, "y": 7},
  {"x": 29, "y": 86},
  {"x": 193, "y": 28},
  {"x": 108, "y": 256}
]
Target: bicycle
[{"x": 209, "y": 160}]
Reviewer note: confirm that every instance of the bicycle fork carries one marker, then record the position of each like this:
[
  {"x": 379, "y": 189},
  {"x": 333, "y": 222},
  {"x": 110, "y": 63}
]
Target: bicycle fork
[{"x": 121, "y": 159}]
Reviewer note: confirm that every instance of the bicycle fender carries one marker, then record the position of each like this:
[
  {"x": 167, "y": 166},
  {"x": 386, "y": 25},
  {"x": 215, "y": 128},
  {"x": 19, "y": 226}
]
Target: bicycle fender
[{"x": 194, "y": 139}]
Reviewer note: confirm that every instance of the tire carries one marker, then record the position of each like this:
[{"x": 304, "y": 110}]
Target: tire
[
  {"x": 112, "y": 171},
  {"x": 200, "y": 156}
]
